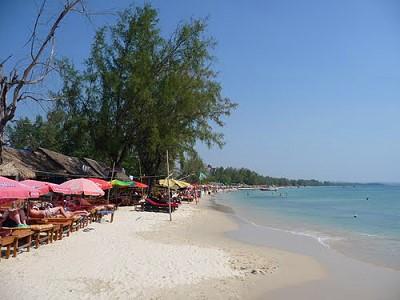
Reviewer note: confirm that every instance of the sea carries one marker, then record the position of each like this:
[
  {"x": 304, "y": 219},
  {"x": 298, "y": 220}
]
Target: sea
[{"x": 360, "y": 221}]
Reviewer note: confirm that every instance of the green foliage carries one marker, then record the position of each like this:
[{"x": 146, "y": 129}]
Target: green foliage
[
  {"x": 143, "y": 94},
  {"x": 27, "y": 134},
  {"x": 230, "y": 176},
  {"x": 191, "y": 166},
  {"x": 139, "y": 95}
]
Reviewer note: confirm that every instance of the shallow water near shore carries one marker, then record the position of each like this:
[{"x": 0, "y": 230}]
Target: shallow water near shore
[{"x": 362, "y": 222}]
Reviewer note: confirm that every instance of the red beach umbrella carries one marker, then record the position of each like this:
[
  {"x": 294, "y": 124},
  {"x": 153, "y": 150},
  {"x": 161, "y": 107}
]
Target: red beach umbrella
[
  {"x": 39, "y": 186},
  {"x": 11, "y": 189},
  {"x": 44, "y": 187},
  {"x": 140, "y": 185},
  {"x": 83, "y": 186},
  {"x": 104, "y": 185}
]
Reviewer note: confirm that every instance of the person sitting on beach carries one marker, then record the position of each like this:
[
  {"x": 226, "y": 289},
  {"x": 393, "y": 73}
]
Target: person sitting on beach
[
  {"x": 13, "y": 218},
  {"x": 49, "y": 212},
  {"x": 81, "y": 205}
]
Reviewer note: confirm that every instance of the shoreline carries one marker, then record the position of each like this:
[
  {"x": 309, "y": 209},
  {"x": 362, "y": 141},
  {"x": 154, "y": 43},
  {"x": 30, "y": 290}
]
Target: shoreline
[
  {"x": 368, "y": 237},
  {"x": 347, "y": 276},
  {"x": 262, "y": 269}
]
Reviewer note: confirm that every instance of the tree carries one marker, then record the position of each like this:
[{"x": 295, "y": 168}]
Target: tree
[
  {"x": 25, "y": 134},
  {"x": 231, "y": 175},
  {"x": 13, "y": 86},
  {"x": 142, "y": 94},
  {"x": 192, "y": 166}
]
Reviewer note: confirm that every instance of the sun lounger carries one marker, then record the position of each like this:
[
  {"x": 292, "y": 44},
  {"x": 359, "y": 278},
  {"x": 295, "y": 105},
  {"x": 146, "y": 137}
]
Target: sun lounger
[
  {"x": 62, "y": 226},
  {"x": 8, "y": 242},
  {"x": 65, "y": 226},
  {"x": 43, "y": 233},
  {"x": 24, "y": 238},
  {"x": 156, "y": 205}
]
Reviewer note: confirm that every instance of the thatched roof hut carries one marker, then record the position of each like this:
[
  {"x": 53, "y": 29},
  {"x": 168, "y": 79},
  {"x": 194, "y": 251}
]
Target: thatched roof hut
[
  {"x": 16, "y": 170},
  {"x": 45, "y": 164},
  {"x": 72, "y": 165}
]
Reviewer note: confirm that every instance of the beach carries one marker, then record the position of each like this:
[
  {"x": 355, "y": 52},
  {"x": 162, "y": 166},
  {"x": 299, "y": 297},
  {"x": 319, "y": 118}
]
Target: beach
[
  {"x": 204, "y": 253},
  {"x": 142, "y": 255}
]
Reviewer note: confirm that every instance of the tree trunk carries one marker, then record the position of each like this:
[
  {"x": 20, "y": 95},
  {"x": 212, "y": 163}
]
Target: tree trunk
[{"x": 1, "y": 144}]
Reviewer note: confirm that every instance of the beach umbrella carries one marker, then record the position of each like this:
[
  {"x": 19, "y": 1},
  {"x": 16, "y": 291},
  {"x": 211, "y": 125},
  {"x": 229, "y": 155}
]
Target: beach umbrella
[
  {"x": 183, "y": 184},
  {"x": 173, "y": 183},
  {"x": 83, "y": 186},
  {"x": 168, "y": 183},
  {"x": 104, "y": 185},
  {"x": 11, "y": 189},
  {"x": 44, "y": 187},
  {"x": 140, "y": 185},
  {"x": 39, "y": 186},
  {"x": 120, "y": 183}
]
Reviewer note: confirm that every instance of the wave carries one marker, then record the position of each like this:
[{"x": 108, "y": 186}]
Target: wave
[{"x": 320, "y": 237}]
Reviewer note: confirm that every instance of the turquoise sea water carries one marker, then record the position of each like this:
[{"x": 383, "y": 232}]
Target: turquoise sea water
[{"x": 361, "y": 221}]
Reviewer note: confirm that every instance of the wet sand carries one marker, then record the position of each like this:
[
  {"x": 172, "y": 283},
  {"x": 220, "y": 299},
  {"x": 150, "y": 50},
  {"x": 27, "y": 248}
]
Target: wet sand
[{"x": 346, "y": 278}]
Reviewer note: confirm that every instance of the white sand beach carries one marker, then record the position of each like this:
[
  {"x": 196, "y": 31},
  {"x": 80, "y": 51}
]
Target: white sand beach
[{"x": 141, "y": 255}]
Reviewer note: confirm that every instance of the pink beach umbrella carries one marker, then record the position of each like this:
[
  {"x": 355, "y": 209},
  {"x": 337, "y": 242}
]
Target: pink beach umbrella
[
  {"x": 83, "y": 186},
  {"x": 11, "y": 189},
  {"x": 44, "y": 187},
  {"x": 104, "y": 185}
]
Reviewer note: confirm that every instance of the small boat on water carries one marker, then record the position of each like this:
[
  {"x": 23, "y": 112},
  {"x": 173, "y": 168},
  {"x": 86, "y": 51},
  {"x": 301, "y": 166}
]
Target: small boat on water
[{"x": 269, "y": 189}]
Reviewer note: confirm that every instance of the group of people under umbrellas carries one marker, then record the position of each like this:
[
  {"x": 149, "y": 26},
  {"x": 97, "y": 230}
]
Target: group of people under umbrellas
[{"x": 20, "y": 199}]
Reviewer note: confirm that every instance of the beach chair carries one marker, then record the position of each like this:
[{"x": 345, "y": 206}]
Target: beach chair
[
  {"x": 62, "y": 226},
  {"x": 24, "y": 237},
  {"x": 151, "y": 204},
  {"x": 43, "y": 233},
  {"x": 67, "y": 225},
  {"x": 8, "y": 242}
]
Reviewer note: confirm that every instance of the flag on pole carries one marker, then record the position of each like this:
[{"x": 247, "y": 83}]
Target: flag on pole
[{"x": 202, "y": 176}]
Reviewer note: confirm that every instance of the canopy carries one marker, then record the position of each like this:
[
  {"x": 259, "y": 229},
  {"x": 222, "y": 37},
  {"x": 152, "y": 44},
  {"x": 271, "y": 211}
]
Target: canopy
[
  {"x": 11, "y": 189},
  {"x": 43, "y": 187},
  {"x": 140, "y": 185},
  {"x": 174, "y": 183},
  {"x": 120, "y": 183},
  {"x": 104, "y": 185},
  {"x": 83, "y": 186}
]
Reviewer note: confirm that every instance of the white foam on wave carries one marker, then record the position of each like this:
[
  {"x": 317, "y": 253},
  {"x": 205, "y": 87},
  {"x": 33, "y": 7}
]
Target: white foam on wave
[
  {"x": 371, "y": 235},
  {"x": 321, "y": 238}
]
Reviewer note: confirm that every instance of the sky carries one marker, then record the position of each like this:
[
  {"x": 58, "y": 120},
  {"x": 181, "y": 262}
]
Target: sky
[{"x": 317, "y": 82}]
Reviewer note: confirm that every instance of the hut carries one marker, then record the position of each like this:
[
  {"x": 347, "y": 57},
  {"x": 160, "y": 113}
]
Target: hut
[
  {"x": 16, "y": 170},
  {"x": 47, "y": 165}
]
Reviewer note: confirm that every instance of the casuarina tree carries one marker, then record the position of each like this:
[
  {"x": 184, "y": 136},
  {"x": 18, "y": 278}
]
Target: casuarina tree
[{"x": 143, "y": 93}]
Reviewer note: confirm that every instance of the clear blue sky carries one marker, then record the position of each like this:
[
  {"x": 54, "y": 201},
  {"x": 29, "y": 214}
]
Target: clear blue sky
[{"x": 317, "y": 82}]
